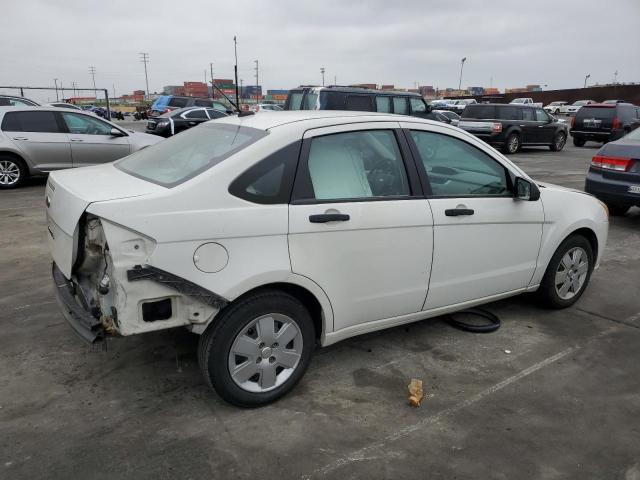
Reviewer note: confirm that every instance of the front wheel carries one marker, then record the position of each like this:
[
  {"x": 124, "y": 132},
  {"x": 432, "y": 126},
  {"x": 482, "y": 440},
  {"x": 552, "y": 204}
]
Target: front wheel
[
  {"x": 579, "y": 142},
  {"x": 512, "y": 144},
  {"x": 258, "y": 349},
  {"x": 568, "y": 273},
  {"x": 559, "y": 142},
  {"x": 13, "y": 172}
]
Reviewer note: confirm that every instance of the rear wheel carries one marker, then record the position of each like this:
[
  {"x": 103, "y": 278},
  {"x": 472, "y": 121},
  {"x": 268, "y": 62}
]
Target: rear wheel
[
  {"x": 617, "y": 210},
  {"x": 512, "y": 144},
  {"x": 258, "y": 349},
  {"x": 559, "y": 142},
  {"x": 579, "y": 142},
  {"x": 568, "y": 273},
  {"x": 13, "y": 171}
]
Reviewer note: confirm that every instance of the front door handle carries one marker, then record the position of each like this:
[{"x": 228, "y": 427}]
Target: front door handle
[
  {"x": 329, "y": 217},
  {"x": 456, "y": 212},
  {"x": 20, "y": 138},
  {"x": 77, "y": 140}
]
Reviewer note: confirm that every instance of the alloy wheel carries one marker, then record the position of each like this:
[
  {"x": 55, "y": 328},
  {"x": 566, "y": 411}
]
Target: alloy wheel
[
  {"x": 265, "y": 353},
  {"x": 513, "y": 144},
  {"x": 571, "y": 273},
  {"x": 561, "y": 139},
  {"x": 9, "y": 172}
]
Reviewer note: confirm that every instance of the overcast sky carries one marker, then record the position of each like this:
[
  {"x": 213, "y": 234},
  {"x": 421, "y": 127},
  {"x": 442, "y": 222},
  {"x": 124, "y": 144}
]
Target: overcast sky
[{"x": 508, "y": 43}]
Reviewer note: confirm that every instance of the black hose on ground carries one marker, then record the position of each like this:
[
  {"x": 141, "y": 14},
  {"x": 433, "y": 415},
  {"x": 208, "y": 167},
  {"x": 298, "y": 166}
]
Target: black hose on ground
[{"x": 492, "y": 325}]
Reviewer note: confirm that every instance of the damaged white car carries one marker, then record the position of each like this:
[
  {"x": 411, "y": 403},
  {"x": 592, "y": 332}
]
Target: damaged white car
[{"x": 267, "y": 234}]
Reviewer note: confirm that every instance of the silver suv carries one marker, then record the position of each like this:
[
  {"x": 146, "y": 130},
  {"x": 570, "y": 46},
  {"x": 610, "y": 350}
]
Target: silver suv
[{"x": 37, "y": 140}]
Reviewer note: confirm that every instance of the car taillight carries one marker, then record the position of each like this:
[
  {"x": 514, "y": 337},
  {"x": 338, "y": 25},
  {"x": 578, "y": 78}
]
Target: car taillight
[
  {"x": 496, "y": 127},
  {"x": 616, "y": 123},
  {"x": 611, "y": 163}
]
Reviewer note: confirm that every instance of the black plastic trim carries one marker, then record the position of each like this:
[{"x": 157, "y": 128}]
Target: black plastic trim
[{"x": 147, "y": 272}]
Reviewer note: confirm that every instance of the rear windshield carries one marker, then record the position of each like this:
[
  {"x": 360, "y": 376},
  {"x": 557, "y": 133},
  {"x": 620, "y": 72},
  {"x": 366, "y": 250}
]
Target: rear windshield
[
  {"x": 479, "y": 111},
  {"x": 182, "y": 157},
  {"x": 596, "y": 112}
]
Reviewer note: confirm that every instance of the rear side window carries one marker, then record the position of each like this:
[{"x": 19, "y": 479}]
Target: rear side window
[
  {"x": 269, "y": 181},
  {"x": 527, "y": 114},
  {"x": 509, "y": 113},
  {"x": 184, "y": 156},
  {"x": 417, "y": 105},
  {"x": 480, "y": 111},
  {"x": 196, "y": 114},
  {"x": 400, "y": 105},
  {"x": 383, "y": 104},
  {"x": 43, "y": 122},
  {"x": 332, "y": 100},
  {"x": 359, "y": 103},
  {"x": 295, "y": 101},
  {"x": 215, "y": 113},
  {"x": 178, "y": 102}
]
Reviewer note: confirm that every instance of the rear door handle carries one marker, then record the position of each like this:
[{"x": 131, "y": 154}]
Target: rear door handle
[
  {"x": 77, "y": 140},
  {"x": 20, "y": 138},
  {"x": 329, "y": 217},
  {"x": 456, "y": 212}
]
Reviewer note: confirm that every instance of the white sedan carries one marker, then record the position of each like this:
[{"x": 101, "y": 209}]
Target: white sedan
[
  {"x": 575, "y": 106},
  {"x": 266, "y": 234},
  {"x": 554, "y": 108}
]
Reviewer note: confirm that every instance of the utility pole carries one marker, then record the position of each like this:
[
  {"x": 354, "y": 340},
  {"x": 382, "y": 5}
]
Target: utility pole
[
  {"x": 73, "y": 85},
  {"x": 145, "y": 60},
  {"x": 92, "y": 72},
  {"x": 55, "y": 80},
  {"x": 212, "y": 89},
  {"x": 335, "y": 80},
  {"x": 114, "y": 91},
  {"x": 461, "y": 67},
  {"x": 615, "y": 77},
  {"x": 585, "y": 80},
  {"x": 257, "y": 81},
  {"x": 322, "y": 73},
  {"x": 235, "y": 69}
]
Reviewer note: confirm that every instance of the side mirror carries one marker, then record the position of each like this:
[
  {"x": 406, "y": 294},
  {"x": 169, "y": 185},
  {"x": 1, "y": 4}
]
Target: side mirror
[
  {"x": 525, "y": 190},
  {"x": 116, "y": 133}
]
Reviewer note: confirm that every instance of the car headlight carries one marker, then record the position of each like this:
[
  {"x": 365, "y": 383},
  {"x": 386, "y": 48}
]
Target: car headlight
[{"x": 163, "y": 123}]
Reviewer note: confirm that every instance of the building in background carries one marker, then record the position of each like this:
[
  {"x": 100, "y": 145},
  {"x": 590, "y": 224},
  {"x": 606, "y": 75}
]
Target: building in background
[
  {"x": 491, "y": 91},
  {"x": 249, "y": 91},
  {"x": 277, "y": 96},
  {"x": 173, "y": 90},
  {"x": 427, "y": 91},
  {"x": 387, "y": 87},
  {"x": 534, "y": 88},
  {"x": 476, "y": 91},
  {"x": 371, "y": 86},
  {"x": 227, "y": 86},
  {"x": 196, "y": 89}
]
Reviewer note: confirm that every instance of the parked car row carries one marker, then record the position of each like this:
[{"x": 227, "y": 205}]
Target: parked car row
[{"x": 176, "y": 121}]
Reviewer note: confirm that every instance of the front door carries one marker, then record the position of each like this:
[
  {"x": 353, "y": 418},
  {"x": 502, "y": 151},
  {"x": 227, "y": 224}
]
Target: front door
[
  {"x": 358, "y": 226},
  {"x": 546, "y": 129},
  {"x": 91, "y": 140},
  {"x": 485, "y": 241},
  {"x": 529, "y": 126},
  {"x": 39, "y": 136}
]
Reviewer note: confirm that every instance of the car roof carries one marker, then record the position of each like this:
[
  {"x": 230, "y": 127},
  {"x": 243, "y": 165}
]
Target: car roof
[
  {"x": 360, "y": 90},
  {"x": 268, "y": 120}
]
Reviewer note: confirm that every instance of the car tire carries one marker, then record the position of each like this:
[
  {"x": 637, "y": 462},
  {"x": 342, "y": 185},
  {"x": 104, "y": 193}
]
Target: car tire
[
  {"x": 559, "y": 141},
  {"x": 617, "y": 210},
  {"x": 579, "y": 142},
  {"x": 244, "y": 338},
  {"x": 568, "y": 273},
  {"x": 511, "y": 144},
  {"x": 13, "y": 172}
]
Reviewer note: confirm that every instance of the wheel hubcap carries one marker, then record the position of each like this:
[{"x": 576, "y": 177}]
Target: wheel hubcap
[
  {"x": 9, "y": 172},
  {"x": 571, "y": 273},
  {"x": 265, "y": 353},
  {"x": 560, "y": 141}
]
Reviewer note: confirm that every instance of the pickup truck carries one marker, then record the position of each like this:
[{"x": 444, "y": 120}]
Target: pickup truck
[{"x": 526, "y": 101}]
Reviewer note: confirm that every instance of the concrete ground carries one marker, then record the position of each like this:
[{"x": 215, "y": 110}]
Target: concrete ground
[{"x": 564, "y": 404}]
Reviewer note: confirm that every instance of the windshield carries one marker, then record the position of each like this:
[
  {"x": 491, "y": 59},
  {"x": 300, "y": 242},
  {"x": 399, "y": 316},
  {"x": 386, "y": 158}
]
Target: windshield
[
  {"x": 184, "y": 156},
  {"x": 519, "y": 100},
  {"x": 633, "y": 135},
  {"x": 580, "y": 102}
]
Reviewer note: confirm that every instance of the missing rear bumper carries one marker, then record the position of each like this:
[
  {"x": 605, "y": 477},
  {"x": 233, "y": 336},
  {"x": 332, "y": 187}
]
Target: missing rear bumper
[{"x": 85, "y": 325}]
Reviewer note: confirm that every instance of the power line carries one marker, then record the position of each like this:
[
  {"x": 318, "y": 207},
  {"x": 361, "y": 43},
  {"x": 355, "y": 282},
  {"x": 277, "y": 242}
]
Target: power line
[{"x": 145, "y": 60}]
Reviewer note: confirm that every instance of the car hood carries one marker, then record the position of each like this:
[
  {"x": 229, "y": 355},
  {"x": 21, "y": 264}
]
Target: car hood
[
  {"x": 139, "y": 138},
  {"x": 558, "y": 188}
]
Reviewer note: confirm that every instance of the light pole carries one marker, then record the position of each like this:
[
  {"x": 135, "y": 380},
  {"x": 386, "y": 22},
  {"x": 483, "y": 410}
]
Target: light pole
[
  {"x": 92, "y": 71},
  {"x": 144, "y": 59},
  {"x": 55, "y": 80},
  {"x": 461, "y": 67},
  {"x": 322, "y": 73},
  {"x": 615, "y": 77},
  {"x": 585, "y": 80}
]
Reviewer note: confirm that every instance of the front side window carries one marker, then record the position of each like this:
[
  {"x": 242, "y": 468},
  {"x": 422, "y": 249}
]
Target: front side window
[
  {"x": 400, "y": 105},
  {"x": 310, "y": 101},
  {"x": 357, "y": 165},
  {"x": 39, "y": 122},
  {"x": 295, "y": 101},
  {"x": 383, "y": 104},
  {"x": 184, "y": 156},
  {"x": 417, "y": 105},
  {"x": 215, "y": 113},
  {"x": 541, "y": 115},
  {"x": 85, "y": 125},
  {"x": 196, "y": 114},
  {"x": 457, "y": 169},
  {"x": 527, "y": 114}
]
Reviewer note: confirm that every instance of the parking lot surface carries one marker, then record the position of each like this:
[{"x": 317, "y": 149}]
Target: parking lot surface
[{"x": 564, "y": 403}]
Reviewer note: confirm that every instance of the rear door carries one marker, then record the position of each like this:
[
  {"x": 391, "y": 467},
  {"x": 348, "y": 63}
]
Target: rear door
[
  {"x": 91, "y": 140},
  {"x": 486, "y": 242},
  {"x": 41, "y": 138},
  {"x": 359, "y": 225}
]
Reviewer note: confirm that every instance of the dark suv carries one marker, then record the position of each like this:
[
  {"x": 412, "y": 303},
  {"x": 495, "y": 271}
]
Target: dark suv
[
  {"x": 604, "y": 122},
  {"x": 359, "y": 100},
  {"x": 513, "y": 126}
]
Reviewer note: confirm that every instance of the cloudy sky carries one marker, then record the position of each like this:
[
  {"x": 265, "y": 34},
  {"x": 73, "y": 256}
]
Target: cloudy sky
[{"x": 507, "y": 43}]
